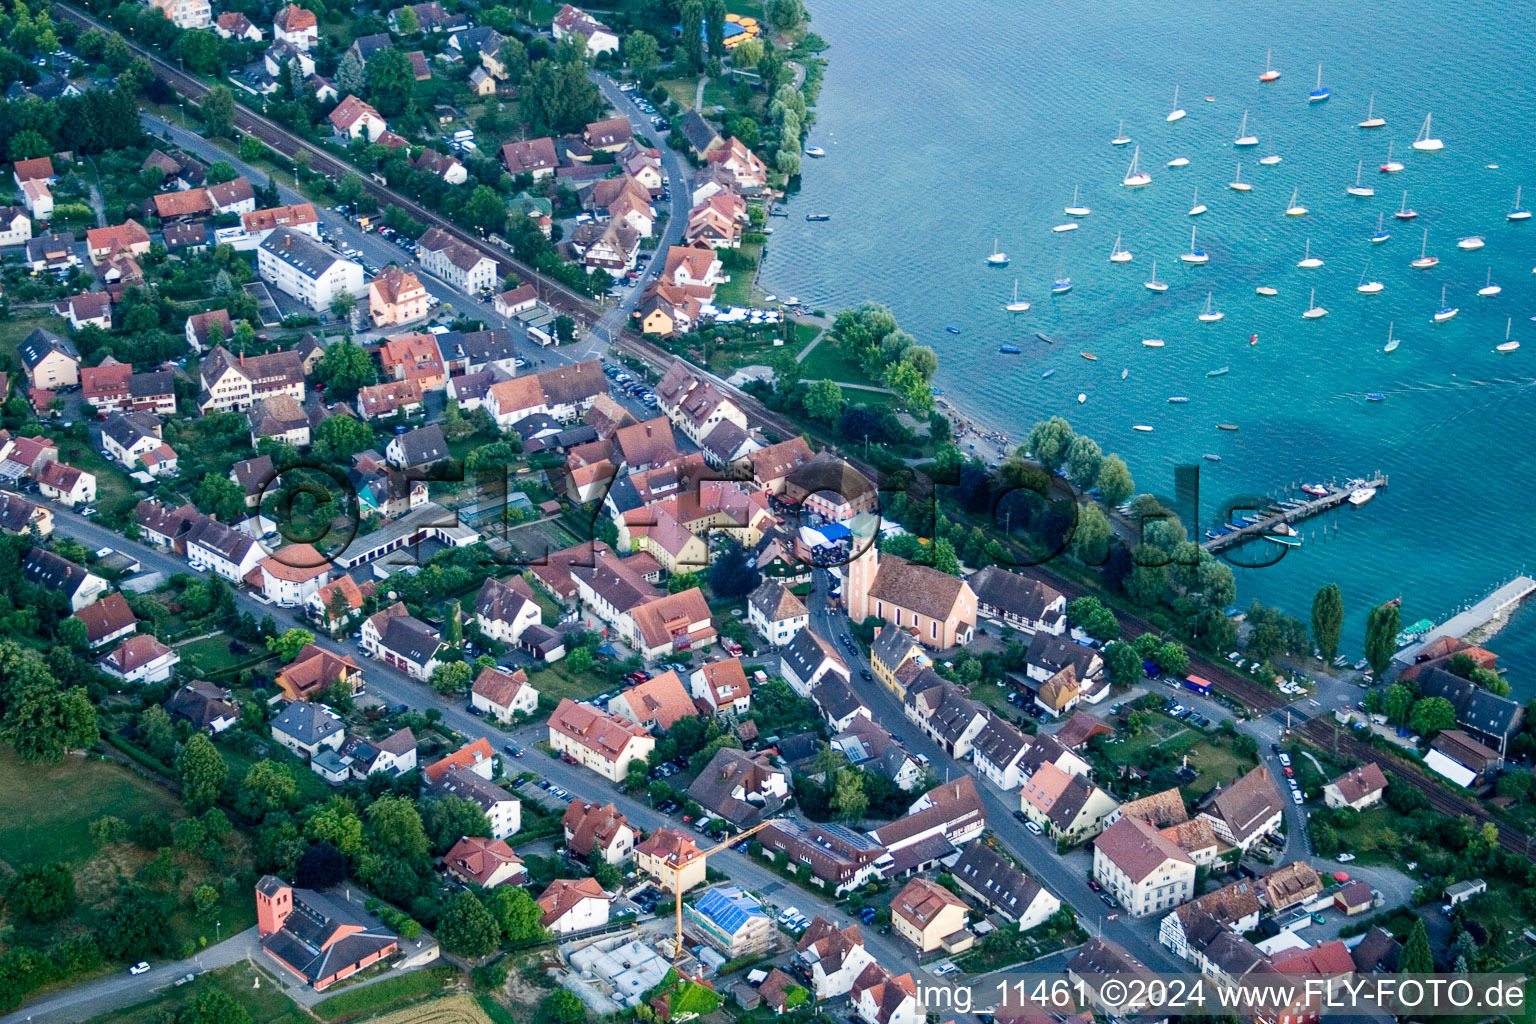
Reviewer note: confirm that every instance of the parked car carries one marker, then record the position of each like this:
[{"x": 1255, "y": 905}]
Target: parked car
[
  {"x": 142, "y": 967},
  {"x": 1285, "y": 759},
  {"x": 1034, "y": 826}
]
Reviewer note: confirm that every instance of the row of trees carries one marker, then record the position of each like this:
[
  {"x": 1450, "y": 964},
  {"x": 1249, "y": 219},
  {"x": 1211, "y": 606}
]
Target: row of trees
[{"x": 870, "y": 334}]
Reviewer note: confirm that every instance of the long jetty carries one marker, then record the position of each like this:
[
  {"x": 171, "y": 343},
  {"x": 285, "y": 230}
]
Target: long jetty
[
  {"x": 1469, "y": 619},
  {"x": 1277, "y": 515}
]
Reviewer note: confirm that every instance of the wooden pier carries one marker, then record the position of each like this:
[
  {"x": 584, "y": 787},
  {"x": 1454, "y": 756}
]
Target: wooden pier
[
  {"x": 1273, "y": 515},
  {"x": 1472, "y": 617}
]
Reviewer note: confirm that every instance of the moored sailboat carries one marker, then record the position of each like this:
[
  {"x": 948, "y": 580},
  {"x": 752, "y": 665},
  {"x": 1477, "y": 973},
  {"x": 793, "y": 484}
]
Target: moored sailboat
[
  {"x": 1152, "y": 284},
  {"x": 1238, "y": 184},
  {"x": 1314, "y": 310},
  {"x": 1425, "y": 261},
  {"x": 1243, "y": 138},
  {"x": 1371, "y": 120},
  {"x": 1269, "y": 74},
  {"x": 1426, "y": 143},
  {"x": 1178, "y": 112},
  {"x": 1489, "y": 290},
  {"x": 1194, "y": 255},
  {"x": 1445, "y": 312},
  {"x": 1358, "y": 189},
  {"x": 1210, "y": 315},
  {"x": 1318, "y": 93},
  {"x": 1135, "y": 177},
  {"x": 1392, "y": 342},
  {"x": 1391, "y": 166}
]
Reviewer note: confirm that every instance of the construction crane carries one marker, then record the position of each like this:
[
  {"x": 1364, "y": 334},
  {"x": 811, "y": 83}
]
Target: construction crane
[{"x": 677, "y": 879}]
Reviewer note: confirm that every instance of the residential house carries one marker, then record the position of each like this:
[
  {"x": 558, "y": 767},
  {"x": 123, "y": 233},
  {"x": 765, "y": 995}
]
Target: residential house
[
  {"x": 879, "y": 997},
  {"x": 66, "y": 484},
  {"x": 700, "y": 134},
  {"x": 37, "y": 197},
  {"x": 396, "y": 297},
  {"x": 166, "y": 526},
  {"x": 1049, "y": 654},
  {"x": 296, "y": 26},
  {"x": 281, "y": 418},
  {"x": 128, "y": 237},
  {"x": 643, "y": 163},
  {"x": 1003, "y": 888},
  {"x": 107, "y": 620},
  {"x": 838, "y": 704},
  {"x": 1060, "y": 693},
  {"x": 257, "y": 226},
  {"x": 1246, "y": 811},
  {"x": 603, "y": 742},
  {"x": 748, "y": 171},
  {"x": 185, "y": 14},
  {"x": 731, "y": 920},
  {"x": 204, "y": 706},
  {"x": 379, "y": 401},
  {"x": 1489, "y": 718},
  {"x": 808, "y": 660},
  {"x": 693, "y": 265},
  {"x": 741, "y": 787},
  {"x": 608, "y": 136},
  {"x": 591, "y": 830},
  {"x": 306, "y": 728},
  {"x": 573, "y": 905},
  {"x": 1291, "y": 885},
  {"x": 952, "y": 810},
  {"x": 656, "y": 704},
  {"x": 1188, "y": 930},
  {"x": 236, "y": 26},
  {"x": 1068, "y": 807},
  {"x": 672, "y": 858},
  {"x": 210, "y": 329},
  {"x": 132, "y": 440},
  {"x": 449, "y": 168},
  {"x": 1457, "y": 756},
  {"x": 395, "y": 754},
  {"x": 414, "y": 357},
  {"x": 140, "y": 659},
  {"x": 213, "y": 545},
  {"x": 938, "y": 608},
  {"x": 232, "y": 383},
  {"x": 717, "y": 222},
  {"x": 94, "y": 308},
  {"x": 518, "y": 300},
  {"x": 535, "y": 157},
  {"x": 1018, "y": 601},
  {"x": 49, "y": 361},
  {"x": 417, "y": 449},
  {"x": 52, "y": 252},
  {"x": 309, "y": 270},
  {"x": 505, "y": 608},
  {"x": 486, "y": 863},
  {"x": 723, "y": 686},
  {"x": 831, "y": 957},
  {"x": 998, "y": 752},
  {"x": 930, "y": 917},
  {"x": 315, "y": 670},
  {"x": 15, "y": 226},
  {"x": 501, "y": 808},
  {"x": 18, "y": 515},
  {"x": 477, "y": 758},
  {"x": 1142, "y": 868},
  {"x": 292, "y": 575},
  {"x": 54, "y": 572},
  {"x": 1099, "y": 961},
  {"x": 897, "y": 659},
  {"x": 573, "y": 21},
  {"x": 945, "y": 713},
  {"x": 694, "y": 404},
  {"x": 334, "y": 603},
  {"x": 776, "y": 613},
  {"x": 839, "y": 858},
  {"x": 867, "y": 745},
  {"x": 320, "y": 939},
  {"x": 397, "y": 638},
  {"x": 1359, "y": 788},
  {"x": 461, "y": 265},
  {"x": 503, "y": 695}
]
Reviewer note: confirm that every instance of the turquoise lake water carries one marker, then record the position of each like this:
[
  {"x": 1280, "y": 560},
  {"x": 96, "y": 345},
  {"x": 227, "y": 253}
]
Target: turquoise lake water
[{"x": 947, "y": 128}]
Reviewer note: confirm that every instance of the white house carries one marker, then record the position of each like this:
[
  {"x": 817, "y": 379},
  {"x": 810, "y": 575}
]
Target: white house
[
  {"x": 307, "y": 728},
  {"x": 215, "y": 546},
  {"x": 807, "y": 661},
  {"x": 833, "y": 957},
  {"x": 880, "y": 997},
  {"x": 394, "y": 637},
  {"x": 502, "y": 695},
  {"x": 998, "y": 751},
  {"x": 723, "y": 686},
  {"x": 290, "y": 576},
  {"x": 1143, "y": 869},
  {"x": 310, "y": 271},
  {"x": 573, "y": 21},
  {"x": 140, "y": 659},
  {"x": 504, "y": 609},
  {"x": 297, "y": 26},
  {"x": 503, "y": 810},
  {"x": 66, "y": 484},
  {"x": 354, "y": 119},
  {"x": 775, "y": 613},
  {"x": 573, "y": 905},
  {"x": 462, "y": 266},
  {"x": 15, "y": 226},
  {"x": 598, "y": 740}
]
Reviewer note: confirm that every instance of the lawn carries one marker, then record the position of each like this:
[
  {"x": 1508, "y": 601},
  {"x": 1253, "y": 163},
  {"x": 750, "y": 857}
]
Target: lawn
[
  {"x": 1160, "y": 731},
  {"x": 738, "y": 290},
  {"x": 14, "y": 332},
  {"x": 1217, "y": 765},
  {"x": 210, "y": 657},
  {"x": 266, "y": 1005},
  {"x": 558, "y": 681},
  {"x": 116, "y": 495},
  {"x": 48, "y": 808},
  {"x": 382, "y": 995},
  {"x": 827, "y": 362}
]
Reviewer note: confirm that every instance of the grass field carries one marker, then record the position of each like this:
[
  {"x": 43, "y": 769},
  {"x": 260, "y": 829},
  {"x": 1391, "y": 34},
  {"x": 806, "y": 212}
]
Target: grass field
[
  {"x": 14, "y": 332},
  {"x": 266, "y": 1005},
  {"x": 115, "y": 493},
  {"x": 49, "y": 808},
  {"x": 738, "y": 290},
  {"x": 383, "y": 995},
  {"x": 211, "y": 655},
  {"x": 826, "y": 362},
  {"x": 1216, "y": 765},
  {"x": 557, "y": 681}
]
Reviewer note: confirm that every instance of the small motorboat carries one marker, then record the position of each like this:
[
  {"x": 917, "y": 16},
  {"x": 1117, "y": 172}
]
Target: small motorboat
[
  {"x": 1125, "y": 373},
  {"x": 1142, "y": 427},
  {"x": 1226, "y": 426},
  {"x": 1081, "y": 398},
  {"x": 1470, "y": 243},
  {"x": 1265, "y": 289},
  {"x": 1152, "y": 342},
  {"x": 1375, "y": 396},
  {"x": 1361, "y": 495},
  {"x": 1045, "y": 338},
  {"x": 1061, "y": 286},
  {"x": 1221, "y": 372},
  {"x": 1179, "y": 161},
  {"x": 1316, "y": 490},
  {"x": 815, "y": 151},
  {"x": 1089, "y": 356},
  {"x": 1271, "y": 160},
  {"x": 1211, "y": 458},
  {"x": 1178, "y": 400},
  {"x": 828, "y": 216},
  {"x": 1070, "y": 225},
  {"x": 1046, "y": 375},
  {"x": 1287, "y": 542},
  {"x": 952, "y": 329},
  {"x": 1009, "y": 350},
  {"x": 1253, "y": 339}
]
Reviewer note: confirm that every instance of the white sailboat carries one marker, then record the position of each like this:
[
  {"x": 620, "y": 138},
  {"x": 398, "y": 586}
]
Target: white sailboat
[
  {"x": 1018, "y": 305},
  {"x": 1314, "y": 311},
  {"x": 1120, "y": 138},
  {"x": 1197, "y": 207},
  {"x": 1152, "y": 284},
  {"x": 1392, "y": 342},
  {"x": 1358, "y": 189},
  {"x": 1119, "y": 255},
  {"x": 1366, "y": 287},
  {"x": 1179, "y": 161},
  {"x": 1489, "y": 290},
  {"x": 1470, "y": 243},
  {"x": 1309, "y": 261},
  {"x": 1445, "y": 312},
  {"x": 1076, "y": 210},
  {"x": 1391, "y": 166},
  {"x": 1382, "y": 234},
  {"x": 1135, "y": 177},
  {"x": 1293, "y": 208},
  {"x": 1508, "y": 346},
  {"x": 1318, "y": 94},
  {"x": 1425, "y": 261},
  {"x": 1371, "y": 120},
  {"x": 1178, "y": 112},
  {"x": 1194, "y": 255},
  {"x": 1243, "y": 138},
  {"x": 1270, "y": 74},
  {"x": 998, "y": 257},
  {"x": 1425, "y": 142},
  {"x": 1519, "y": 212},
  {"x": 1238, "y": 184},
  {"x": 1209, "y": 316}
]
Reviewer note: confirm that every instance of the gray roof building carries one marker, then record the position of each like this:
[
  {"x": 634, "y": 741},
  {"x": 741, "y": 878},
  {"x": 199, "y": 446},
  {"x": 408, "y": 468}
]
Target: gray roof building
[{"x": 307, "y": 723}]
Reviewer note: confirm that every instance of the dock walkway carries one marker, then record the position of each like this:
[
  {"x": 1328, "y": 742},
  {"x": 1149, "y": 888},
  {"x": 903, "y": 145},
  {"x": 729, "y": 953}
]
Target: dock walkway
[
  {"x": 1480, "y": 614},
  {"x": 1276, "y": 516}
]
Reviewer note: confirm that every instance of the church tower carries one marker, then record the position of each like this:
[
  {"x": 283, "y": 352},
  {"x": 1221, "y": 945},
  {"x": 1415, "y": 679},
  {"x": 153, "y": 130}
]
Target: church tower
[
  {"x": 274, "y": 902},
  {"x": 861, "y": 574}
]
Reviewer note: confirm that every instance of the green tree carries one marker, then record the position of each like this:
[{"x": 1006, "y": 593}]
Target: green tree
[
  {"x": 405, "y": 21},
  {"x": 562, "y": 1006},
  {"x": 517, "y": 913},
  {"x": 824, "y": 400},
  {"x": 1122, "y": 663},
  {"x": 218, "y": 495},
  {"x": 251, "y": 148},
  {"x": 788, "y": 16},
  {"x": 290, "y": 643},
  {"x": 1089, "y": 615},
  {"x": 747, "y": 53},
  {"x": 1397, "y": 703},
  {"x": 448, "y": 819},
  {"x": 338, "y": 438},
  {"x": 484, "y": 211},
  {"x": 28, "y": 144},
  {"x": 204, "y": 898},
  {"x": 1115, "y": 483},
  {"x": 155, "y": 732},
  {"x": 336, "y": 823},
  {"x": 391, "y": 83},
  {"x": 944, "y": 557},
  {"x": 1432, "y": 715},
  {"x": 579, "y": 660},
  {"x": 215, "y": 1006},
  {"x": 848, "y": 796},
  {"x": 643, "y": 55},
  {"x": 342, "y": 305},
  {"x": 202, "y": 771},
  {"x": 451, "y": 677},
  {"x": 1149, "y": 577},
  {"x": 268, "y": 786},
  {"x": 514, "y": 58},
  {"x": 74, "y": 634},
  {"x": 41, "y": 892},
  {"x": 219, "y": 111},
  {"x": 351, "y": 75},
  {"x": 733, "y": 572},
  {"x": 1416, "y": 957},
  {"x": 1050, "y": 441},
  {"x": 1381, "y": 628},
  {"x": 1172, "y": 659},
  {"x": 42, "y": 723},
  {"x": 1325, "y": 841},
  {"x": 1083, "y": 460},
  {"x": 345, "y": 366},
  {"x": 1327, "y": 620},
  {"x": 1091, "y": 537},
  {"x": 467, "y": 928}
]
